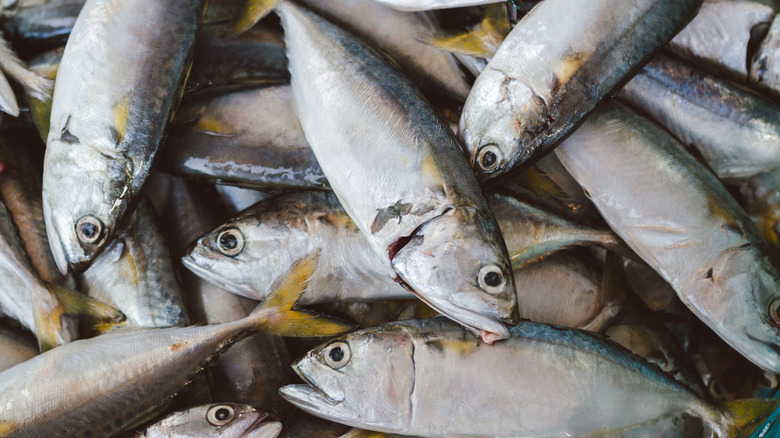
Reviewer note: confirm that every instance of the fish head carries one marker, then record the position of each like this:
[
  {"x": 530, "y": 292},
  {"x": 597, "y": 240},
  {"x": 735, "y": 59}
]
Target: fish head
[
  {"x": 227, "y": 420},
  {"x": 748, "y": 321},
  {"x": 250, "y": 252},
  {"x": 363, "y": 379},
  {"x": 458, "y": 264},
  {"x": 500, "y": 117},
  {"x": 85, "y": 194}
]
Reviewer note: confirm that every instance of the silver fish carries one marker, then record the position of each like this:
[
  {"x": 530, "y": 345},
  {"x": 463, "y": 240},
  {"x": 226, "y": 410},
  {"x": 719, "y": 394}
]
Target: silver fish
[
  {"x": 227, "y": 420},
  {"x": 132, "y": 373},
  {"x": 429, "y": 378},
  {"x": 685, "y": 225},
  {"x": 102, "y": 140},
  {"x": 553, "y": 69},
  {"x": 735, "y": 131},
  {"x": 406, "y": 185},
  {"x": 135, "y": 275}
]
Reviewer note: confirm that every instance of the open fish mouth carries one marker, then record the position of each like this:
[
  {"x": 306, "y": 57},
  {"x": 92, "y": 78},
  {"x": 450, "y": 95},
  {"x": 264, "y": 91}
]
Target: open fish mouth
[{"x": 308, "y": 397}]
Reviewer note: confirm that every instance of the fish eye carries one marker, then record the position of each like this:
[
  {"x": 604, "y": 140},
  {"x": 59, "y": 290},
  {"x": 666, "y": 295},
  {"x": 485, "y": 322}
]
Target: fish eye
[
  {"x": 489, "y": 157},
  {"x": 89, "y": 229},
  {"x": 491, "y": 279},
  {"x": 220, "y": 415},
  {"x": 774, "y": 310},
  {"x": 337, "y": 354},
  {"x": 230, "y": 242}
]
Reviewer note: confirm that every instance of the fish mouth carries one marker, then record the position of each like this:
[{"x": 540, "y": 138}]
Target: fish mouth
[
  {"x": 488, "y": 329},
  {"x": 307, "y": 397},
  {"x": 215, "y": 279},
  {"x": 771, "y": 364},
  {"x": 57, "y": 249},
  {"x": 263, "y": 429}
]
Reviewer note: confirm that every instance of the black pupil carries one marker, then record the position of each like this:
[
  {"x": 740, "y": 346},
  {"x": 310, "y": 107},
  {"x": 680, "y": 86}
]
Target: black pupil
[
  {"x": 489, "y": 159},
  {"x": 228, "y": 241},
  {"x": 337, "y": 354},
  {"x": 222, "y": 414},
  {"x": 492, "y": 279},
  {"x": 88, "y": 230}
]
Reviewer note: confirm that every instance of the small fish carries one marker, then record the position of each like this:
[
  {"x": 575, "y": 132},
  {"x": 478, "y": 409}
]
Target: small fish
[
  {"x": 430, "y": 378},
  {"x": 226, "y": 420},
  {"x": 681, "y": 220},
  {"x": 101, "y": 143},
  {"x": 133, "y": 373},
  {"x": 553, "y": 69},
  {"x": 399, "y": 172},
  {"x": 735, "y": 131}
]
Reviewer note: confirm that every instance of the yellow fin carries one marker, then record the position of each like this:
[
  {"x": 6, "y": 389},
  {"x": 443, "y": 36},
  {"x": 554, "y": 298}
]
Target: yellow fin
[
  {"x": 360, "y": 433},
  {"x": 744, "y": 416},
  {"x": 121, "y": 113},
  {"x": 253, "y": 12},
  {"x": 483, "y": 39},
  {"x": 6, "y": 427},
  {"x": 275, "y": 314}
]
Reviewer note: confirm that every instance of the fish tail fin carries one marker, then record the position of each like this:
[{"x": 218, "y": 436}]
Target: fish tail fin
[
  {"x": 253, "y": 12},
  {"x": 48, "y": 320},
  {"x": 742, "y": 417},
  {"x": 276, "y": 315},
  {"x": 483, "y": 39}
]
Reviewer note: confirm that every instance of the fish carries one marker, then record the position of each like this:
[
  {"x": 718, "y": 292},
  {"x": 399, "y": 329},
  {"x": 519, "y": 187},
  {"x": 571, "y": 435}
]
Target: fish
[
  {"x": 101, "y": 143},
  {"x": 38, "y": 25},
  {"x": 406, "y": 37},
  {"x": 398, "y": 171},
  {"x": 15, "y": 348},
  {"x": 137, "y": 370},
  {"x": 135, "y": 274},
  {"x": 553, "y": 69},
  {"x": 686, "y": 226},
  {"x": 735, "y": 131},
  {"x": 217, "y": 138},
  {"x": 228, "y": 420},
  {"x": 430, "y": 378},
  {"x": 760, "y": 197},
  {"x": 425, "y": 5},
  {"x": 718, "y": 38}
]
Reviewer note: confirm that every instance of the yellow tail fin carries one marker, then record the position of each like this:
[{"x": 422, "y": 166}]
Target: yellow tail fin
[
  {"x": 483, "y": 39},
  {"x": 48, "y": 318},
  {"x": 254, "y": 11},
  {"x": 744, "y": 416},
  {"x": 276, "y": 316}
]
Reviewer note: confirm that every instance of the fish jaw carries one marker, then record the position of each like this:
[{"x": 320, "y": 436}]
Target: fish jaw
[
  {"x": 80, "y": 182},
  {"x": 197, "y": 267},
  {"x": 312, "y": 400},
  {"x": 264, "y": 429},
  {"x": 443, "y": 263},
  {"x": 491, "y": 123}
]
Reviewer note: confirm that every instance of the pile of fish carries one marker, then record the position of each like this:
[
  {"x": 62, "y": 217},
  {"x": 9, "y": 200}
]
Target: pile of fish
[{"x": 451, "y": 217}]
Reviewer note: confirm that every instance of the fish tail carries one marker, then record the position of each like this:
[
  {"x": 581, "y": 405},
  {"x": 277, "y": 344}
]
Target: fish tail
[
  {"x": 48, "y": 319},
  {"x": 277, "y": 317},
  {"x": 253, "y": 12},
  {"x": 741, "y": 417},
  {"x": 483, "y": 39}
]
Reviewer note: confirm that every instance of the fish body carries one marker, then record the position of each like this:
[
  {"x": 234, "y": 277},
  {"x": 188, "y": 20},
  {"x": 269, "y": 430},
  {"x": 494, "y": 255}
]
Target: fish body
[
  {"x": 108, "y": 121},
  {"x": 398, "y": 171},
  {"x": 553, "y": 69},
  {"x": 218, "y": 138},
  {"x": 406, "y": 37},
  {"x": 735, "y": 131},
  {"x": 135, "y": 275},
  {"x": 429, "y": 378},
  {"x": 680, "y": 220}
]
